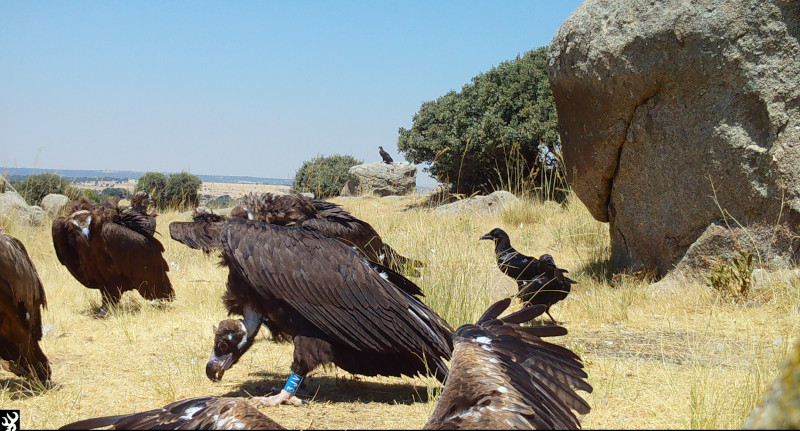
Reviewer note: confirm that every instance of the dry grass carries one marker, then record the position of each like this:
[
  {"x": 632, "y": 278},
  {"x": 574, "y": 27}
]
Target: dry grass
[{"x": 658, "y": 357}]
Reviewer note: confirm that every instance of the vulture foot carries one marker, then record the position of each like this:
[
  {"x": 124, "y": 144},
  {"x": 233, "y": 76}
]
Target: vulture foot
[
  {"x": 102, "y": 313},
  {"x": 283, "y": 397}
]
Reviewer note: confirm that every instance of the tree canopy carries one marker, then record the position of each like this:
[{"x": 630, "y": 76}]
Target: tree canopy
[{"x": 495, "y": 133}]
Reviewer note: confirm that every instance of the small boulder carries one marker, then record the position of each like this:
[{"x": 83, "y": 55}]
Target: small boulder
[
  {"x": 53, "y": 203},
  {"x": 492, "y": 204},
  {"x": 14, "y": 207}
]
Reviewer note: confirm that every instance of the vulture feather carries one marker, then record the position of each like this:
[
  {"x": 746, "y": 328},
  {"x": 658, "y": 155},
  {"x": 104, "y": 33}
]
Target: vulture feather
[
  {"x": 502, "y": 376},
  {"x": 202, "y": 413},
  {"x": 334, "y": 304},
  {"x": 21, "y": 299},
  {"x": 539, "y": 281},
  {"x": 113, "y": 251},
  {"x": 297, "y": 210}
]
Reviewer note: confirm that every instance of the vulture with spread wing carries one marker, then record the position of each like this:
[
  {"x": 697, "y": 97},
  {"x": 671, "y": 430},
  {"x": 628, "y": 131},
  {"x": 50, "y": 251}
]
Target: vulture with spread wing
[
  {"x": 21, "y": 301},
  {"x": 333, "y": 303},
  {"x": 112, "y": 250},
  {"x": 503, "y": 376},
  {"x": 296, "y": 210}
]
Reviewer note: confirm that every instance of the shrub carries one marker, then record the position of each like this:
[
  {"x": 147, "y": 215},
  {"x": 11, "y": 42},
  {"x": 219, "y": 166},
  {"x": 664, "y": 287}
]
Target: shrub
[
  {"x": 499, "y": 132},
  {"x": 35, "y": 187},
  {"x": 324, "y": 175},
  {"x": 116, "y": 192},
  {"x": 154, "y": 183},
  {"x": 181, "y": 191}
]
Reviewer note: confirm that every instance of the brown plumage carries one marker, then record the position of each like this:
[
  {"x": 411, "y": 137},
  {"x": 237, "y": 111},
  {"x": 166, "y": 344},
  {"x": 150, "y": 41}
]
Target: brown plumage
[
  {"x": 297, "y": 210},
  {"x": 385, "y": 156},
  {"x": 140, "y": 202},
  {"x": 113, "y": 251},
  {"x": 335, "y": 305},
  {"x": 504, "y": 376},
  {"x": 21, "y": 299},
  {"x": 202, "y": 413}
]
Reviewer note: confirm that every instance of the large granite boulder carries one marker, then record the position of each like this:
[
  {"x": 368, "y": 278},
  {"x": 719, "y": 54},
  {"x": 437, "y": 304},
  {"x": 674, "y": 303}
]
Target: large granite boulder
[
  {"x": 680, "y": 125},
  {"x": 380, "y": 179},
  {"x": 53, "y": 202}
]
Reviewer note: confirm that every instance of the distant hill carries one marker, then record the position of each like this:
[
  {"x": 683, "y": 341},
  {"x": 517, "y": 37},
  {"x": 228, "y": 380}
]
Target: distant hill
[{"x": 18, "y": 174}]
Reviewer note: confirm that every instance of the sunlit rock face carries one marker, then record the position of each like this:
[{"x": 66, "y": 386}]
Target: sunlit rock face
[{"x": 680, "y": 126}]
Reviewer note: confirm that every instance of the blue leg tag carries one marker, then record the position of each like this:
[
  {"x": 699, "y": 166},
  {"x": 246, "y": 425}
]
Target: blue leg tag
[{"x": 293, "y": 383}]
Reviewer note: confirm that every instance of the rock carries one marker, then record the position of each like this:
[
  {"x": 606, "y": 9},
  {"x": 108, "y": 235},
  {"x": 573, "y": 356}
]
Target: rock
[
  {"x": 14, "y": 207},
  {"x": 308, "y": 195},
  {"x": 780, "y": 409},
  {"x": 380, "y": 179},
  {"x": 53, "y": 203},
  {"x": 678, "y": 118},
  {"x": 492, "y": 204}
]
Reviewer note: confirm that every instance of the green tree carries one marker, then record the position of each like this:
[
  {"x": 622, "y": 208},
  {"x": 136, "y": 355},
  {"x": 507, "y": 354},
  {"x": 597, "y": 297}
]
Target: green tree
[
  {"x": 116, "y": 192},
  {"x": 35, "y": 187},
  {"x": 324, "y": 175},
  {"x": 181, "y": 191},
  {"x": 154, "y": 183},
  {"x": 490, "y": 134}
]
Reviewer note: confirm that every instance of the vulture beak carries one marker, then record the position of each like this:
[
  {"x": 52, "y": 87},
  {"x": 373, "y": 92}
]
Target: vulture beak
[
  {"x": 217, "y": 365},
  {"x": 85, "y": 232},
  {"x": 487, "y": 236}
]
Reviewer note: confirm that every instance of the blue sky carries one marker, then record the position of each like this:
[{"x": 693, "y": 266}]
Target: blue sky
[{"x": 239, "y": 88}]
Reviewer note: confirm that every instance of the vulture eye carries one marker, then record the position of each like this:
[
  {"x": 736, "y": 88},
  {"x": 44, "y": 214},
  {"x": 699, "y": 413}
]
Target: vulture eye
[{"x": 223, "y": 346}]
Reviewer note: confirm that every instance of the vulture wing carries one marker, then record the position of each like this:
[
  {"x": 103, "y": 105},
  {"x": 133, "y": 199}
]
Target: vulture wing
[
  {"x": 201, "y": 233},
  {"x": 524, "y": 382},
  {"x": 334, "y": 287},
  {"x": 19, "y": 280},
  {"x": 204, "y": 413},
  {"x": 21, "y": 300},
  {"x": 138, "y": 259}
]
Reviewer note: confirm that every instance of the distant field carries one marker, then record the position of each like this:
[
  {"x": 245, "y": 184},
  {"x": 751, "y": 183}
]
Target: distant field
[
  {"x": 234, "y": 190},
  {"x": 658, "y": 356}
]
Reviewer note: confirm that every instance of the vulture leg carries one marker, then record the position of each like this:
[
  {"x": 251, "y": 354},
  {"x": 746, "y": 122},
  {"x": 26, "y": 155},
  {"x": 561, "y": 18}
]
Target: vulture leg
[
  {"x": 308, "y": 353},
  {"x": 110, "y": 299}
]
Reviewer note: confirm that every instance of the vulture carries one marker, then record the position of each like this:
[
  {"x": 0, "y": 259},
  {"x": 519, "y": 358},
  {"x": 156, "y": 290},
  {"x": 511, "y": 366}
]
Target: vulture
[
  {"x": 201, "y": 413},
  {"x": 385, "y": 156},
  {"x": 113, "y": 250},
  {"x": 296, "y": 210},
  {"x": 539, "y": 281},
  {"x": 21, "y": 300},
  {"x": 502, "y": 376},
  {"x": 334, "y": 304}
]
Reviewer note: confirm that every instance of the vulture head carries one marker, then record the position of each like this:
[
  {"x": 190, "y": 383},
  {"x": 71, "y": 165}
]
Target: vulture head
[
  {"x": 82, "y": 220},
  {"x": 230, "y": 342}
]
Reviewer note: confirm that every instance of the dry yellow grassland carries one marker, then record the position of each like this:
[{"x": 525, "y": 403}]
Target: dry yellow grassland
[{"x": 663, "y": 356}]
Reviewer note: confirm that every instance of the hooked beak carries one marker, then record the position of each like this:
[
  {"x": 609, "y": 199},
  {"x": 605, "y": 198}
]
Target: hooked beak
[
  {"x": 85, "y": 232},
  {"x": 487, "y": 236},
  {"x": 217, "y": 365}
]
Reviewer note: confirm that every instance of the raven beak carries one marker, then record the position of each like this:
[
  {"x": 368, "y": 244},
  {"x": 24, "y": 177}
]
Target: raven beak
[
  {"x": 217, "y": 365},
  {"x": 487, "y": 236}
]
